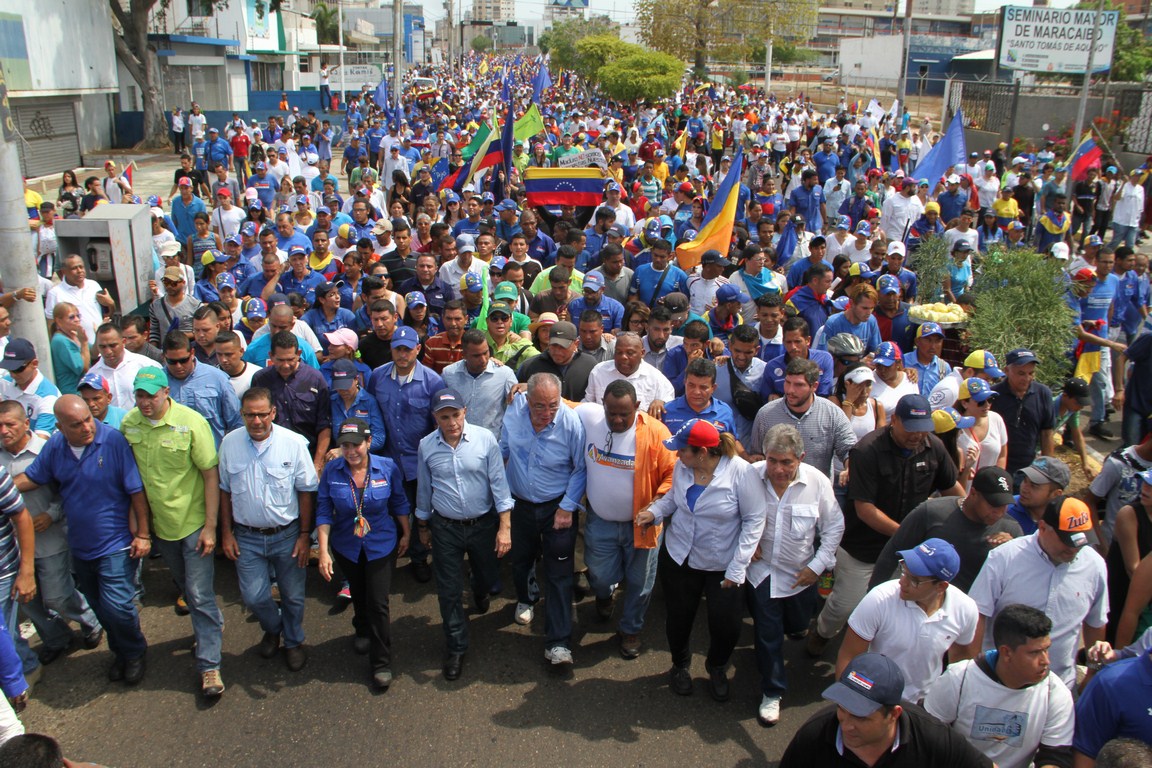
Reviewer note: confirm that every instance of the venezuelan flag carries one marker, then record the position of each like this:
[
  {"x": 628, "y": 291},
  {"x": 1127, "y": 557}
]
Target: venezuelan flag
[
  {"x": 715, "y": 231},
  {"x": 564, "y": 186},
  {"x": 1086, "y": 155},
  {"x": 873, "y": 144},
  {"x": 681, "y": 143}
]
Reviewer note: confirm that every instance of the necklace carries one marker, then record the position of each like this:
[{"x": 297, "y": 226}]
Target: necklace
[{"x": 360, "y": 526}]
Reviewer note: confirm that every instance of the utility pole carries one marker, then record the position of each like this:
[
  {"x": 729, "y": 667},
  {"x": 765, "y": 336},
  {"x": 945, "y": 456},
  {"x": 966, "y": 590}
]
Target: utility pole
[
  {"x": 397, "y": 49},
  {"x": 905, "y": 50},
  {"x": 768, "y": 62},
  {"x": 340, "y": 41},
  {"x": 1082, "y": 108},
  {"x": 19, "y": 263}
]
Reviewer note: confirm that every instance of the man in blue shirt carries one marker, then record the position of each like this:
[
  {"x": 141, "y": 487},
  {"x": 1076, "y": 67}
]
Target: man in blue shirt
[
  {"x": 807, "y": 200},
  {"x": 264, "y": 185},
  {"x": 301, "y": 278},
  {"x": 610, "y": 310},
  {"x": 827, "y": 161},
  {"x": 299, "y": 394},
  {"x": 655, "y": 280},
  {"x": 542, "y": 443},
  {"x": 204, "y": 389},
  {"x": 797, "y": 341},
  {"x": 218, "y": 150},
  {"x": 925, "y": 358},
  {"x": 483, "y": 384},
  {"x": 184, "y": 209},
  {"x": 817, "y": 247},
  {"x": 1096, "y": 310},
  {"x": 99, "y": 488},
  {"x": 540, "y": 246},
  {"x": 698, "y": 402},
  {"x": 464, "y": 507},
  {"x": 403, "y": 389}
]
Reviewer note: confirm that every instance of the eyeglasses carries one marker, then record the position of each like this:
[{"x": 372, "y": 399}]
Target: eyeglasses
[
  {"x": 915, "y": 581},
  {"x": 74, "y": 316},
  {"x": 178, "y": 360},
  {"x": 256, "y": 416}
]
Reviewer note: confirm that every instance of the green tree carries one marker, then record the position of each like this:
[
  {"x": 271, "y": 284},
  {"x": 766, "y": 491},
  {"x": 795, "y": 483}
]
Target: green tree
[
  {"x": 696, "y": 30},
  {"x": 480, "y": 44},
  {"x": 560, "y": 40},
  {"x": 646, "y": 75},
  {"x": 1132, "y": 53},
  {"x": 138, "y": 55},
  {"x": 327, "y": 24},
  {"x": 594, "y": 52}
]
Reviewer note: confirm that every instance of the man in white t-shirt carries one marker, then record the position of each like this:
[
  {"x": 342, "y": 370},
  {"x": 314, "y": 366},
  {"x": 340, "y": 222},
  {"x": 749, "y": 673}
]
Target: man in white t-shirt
[
  {"x": 76, "y": 289},
  {"x": 916, "y": 619},
  {"x": 1007, "y": 702},
  {"x": 628, "y": 467}
]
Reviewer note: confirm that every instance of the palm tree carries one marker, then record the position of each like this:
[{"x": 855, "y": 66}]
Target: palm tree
[{"x": 327, "y": 24}]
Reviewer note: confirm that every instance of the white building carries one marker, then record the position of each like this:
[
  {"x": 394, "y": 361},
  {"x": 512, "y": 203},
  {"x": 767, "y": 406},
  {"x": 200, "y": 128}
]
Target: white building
[{"x": 61, "y": 95}]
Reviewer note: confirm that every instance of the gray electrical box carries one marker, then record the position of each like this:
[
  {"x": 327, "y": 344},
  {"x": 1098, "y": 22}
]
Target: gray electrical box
[{"x": 115, "y": 242}]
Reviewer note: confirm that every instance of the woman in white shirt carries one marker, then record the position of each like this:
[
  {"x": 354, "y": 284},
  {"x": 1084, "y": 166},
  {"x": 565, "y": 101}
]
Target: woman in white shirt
[
  {"x": 717, "y": 506},
  {"x": 985, "y": 444}
]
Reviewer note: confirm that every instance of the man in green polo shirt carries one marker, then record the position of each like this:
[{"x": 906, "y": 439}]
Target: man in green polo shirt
[{"x": 176, "y": 454}]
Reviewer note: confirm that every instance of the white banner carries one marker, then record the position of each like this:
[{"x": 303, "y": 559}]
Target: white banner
[
  {"x": 582, "y": 159},
  {"x": 1056, "y": 39}
]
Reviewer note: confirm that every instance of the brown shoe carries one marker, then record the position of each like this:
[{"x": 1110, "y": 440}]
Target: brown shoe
[
  {"x": 295, "y": 657},
  {"x": 629, "y": 645},
  {"x": 211, "y": 684},
  {"x": 815, "y": 644}
]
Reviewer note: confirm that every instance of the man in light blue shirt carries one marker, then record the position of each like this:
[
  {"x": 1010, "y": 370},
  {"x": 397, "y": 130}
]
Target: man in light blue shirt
[
  {"x": 543, "y": 442},
  {"x": 204, "y": 389},
  {"x": 925, "y": 359},
  {"x": 463, "y": 506},
  {"x": 483, "y": 384},
  {"x": 266, "y": 478}
]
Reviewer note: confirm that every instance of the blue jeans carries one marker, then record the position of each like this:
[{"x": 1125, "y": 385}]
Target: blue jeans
[
  {"x": 109, "y": 584},
  {"x": 7, "y": 606},
  {"x": 451, "y": 541},
  {"x": 57, "y": 602},
  {"x": 1098, "y": 393},
  {"x": 194, "y": 575},
  {"x": 261, "y": 558},
  {"x": 612, "y": 558},
  {"x": 773, "y": 617},
  {"x": 1122, "y": 233},
  {"x": 1133, "y": 426},
  {"x": 533, "y": 536}
]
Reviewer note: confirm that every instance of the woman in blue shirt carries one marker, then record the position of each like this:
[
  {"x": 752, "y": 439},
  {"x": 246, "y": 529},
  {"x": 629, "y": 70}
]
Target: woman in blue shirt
[
  {"x": 362, "y": 514},
  {"x": 326, "y": 314},
  {"x": 717, "y": 505}
]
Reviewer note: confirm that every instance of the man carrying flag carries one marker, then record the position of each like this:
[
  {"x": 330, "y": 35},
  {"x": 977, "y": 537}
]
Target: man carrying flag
[{"x": 715, "y": 232}]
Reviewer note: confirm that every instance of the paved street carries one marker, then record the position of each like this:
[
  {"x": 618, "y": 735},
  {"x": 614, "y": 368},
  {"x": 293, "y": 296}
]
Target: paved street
[{"x": 508, "y": 706}]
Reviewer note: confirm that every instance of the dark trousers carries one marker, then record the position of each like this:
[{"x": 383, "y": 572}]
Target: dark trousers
[
  {"x": 533, "y": 536},
  {"x": 370, "y": 582},
  {"x": 774, "y": 617},
  {"x": 417, "y": 552},
  {"x": 178, "y": 141},
  {"x": 325, "y": 98},
  {"x": 452, "y": 541},
  {"x": 683, "y": 587}
]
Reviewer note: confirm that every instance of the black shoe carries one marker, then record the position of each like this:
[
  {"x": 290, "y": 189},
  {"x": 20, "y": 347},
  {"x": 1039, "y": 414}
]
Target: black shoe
[
  {"x": 116, "y": 671},
  {"x": 361, "y": 645},
  {"x": 381, "y": 679},
  {"x": 496, "y": 588},
  {"x": 1101, "y": 431},
  {"x": 422, "y": 572},
  {"x": 453, "y": 666},
  {"x": 181, "y": 606},
  {"x": 718, "y": 684},
  {"x": 604, "y": 608},
  {"x": 580, "y": 586},
  {"x": 93, "y": 640},
  {"x": 134, "y": 671},
  {"x": 295, "y": 657},
  {"x": 680, "y": 679},
  {"x": 49, "y": 655},
  {"x": 483, "y": 603},
  {"x": 269, "y": 645}
]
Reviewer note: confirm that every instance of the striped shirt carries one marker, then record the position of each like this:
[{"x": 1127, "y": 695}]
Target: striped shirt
[
  {"x": 11, "y": 504},
  {"x": 824, "y": 427}
]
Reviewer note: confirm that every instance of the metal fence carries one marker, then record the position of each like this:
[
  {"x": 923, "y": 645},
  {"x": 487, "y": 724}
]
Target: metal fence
[{"x": 1135, "y": 105}]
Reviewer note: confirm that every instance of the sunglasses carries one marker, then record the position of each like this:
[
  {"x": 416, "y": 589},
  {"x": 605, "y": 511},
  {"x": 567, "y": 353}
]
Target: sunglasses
[{"x": 178, "y": 360}]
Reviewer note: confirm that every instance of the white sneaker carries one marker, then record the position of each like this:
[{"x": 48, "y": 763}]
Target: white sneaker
[
  {"x": 769, "y": 712},
  {"x": 524, "y": 613},
  {"x": 558, "y": 655}
]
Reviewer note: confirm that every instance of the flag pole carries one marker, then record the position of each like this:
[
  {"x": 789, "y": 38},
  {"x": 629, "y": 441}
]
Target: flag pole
[
  {"x": 1107, "y": 148},
  {"x": 1082, "y": 108}
]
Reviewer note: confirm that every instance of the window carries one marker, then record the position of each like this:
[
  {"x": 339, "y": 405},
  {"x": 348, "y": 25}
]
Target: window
[
  {"x": 200, "y": 7},
  {"x": 267, "y": 76}
]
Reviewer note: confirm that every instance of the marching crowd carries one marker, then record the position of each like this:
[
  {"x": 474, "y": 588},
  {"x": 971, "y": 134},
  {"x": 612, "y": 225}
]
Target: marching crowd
[{"x": 347, "y": 364}]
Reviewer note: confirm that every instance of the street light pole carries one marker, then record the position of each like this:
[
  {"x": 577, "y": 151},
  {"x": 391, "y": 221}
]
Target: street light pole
[
  {"x": 905, "y": 50},
  {"x": 340, "y": 41},
  {"x": 768, "y": 62},
  {"x": 1085, "y": 87},
  {"x": 397, "y": 48}
]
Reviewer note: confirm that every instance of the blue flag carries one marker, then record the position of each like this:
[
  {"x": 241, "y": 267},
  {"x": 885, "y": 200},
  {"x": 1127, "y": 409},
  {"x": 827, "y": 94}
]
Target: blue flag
[
  {"x": 439, "y": 172},
  {"x": 786, "y": 245},
  {"x": 541, "y": 81},
  {"x": 507, "y": 138},
  {"x": 946, "y": 153}
]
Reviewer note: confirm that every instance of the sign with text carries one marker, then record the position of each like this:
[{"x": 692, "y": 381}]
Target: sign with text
[
  {"x": 1055, "y": 40},
  {"x": 584, "y": 159}
]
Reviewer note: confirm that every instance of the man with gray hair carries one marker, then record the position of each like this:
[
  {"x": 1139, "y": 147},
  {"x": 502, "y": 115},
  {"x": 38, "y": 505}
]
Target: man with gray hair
[
  {"x": 823, "y": 426},
  {"x": 543, "y": 446},
  {"x": 781, "y": 585}
]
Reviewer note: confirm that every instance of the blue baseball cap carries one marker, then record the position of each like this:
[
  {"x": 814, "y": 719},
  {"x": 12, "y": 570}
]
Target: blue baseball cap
[
  {"x": 593, "y": 281},
  {"x": 888, "y": 284},
  {"x": 297, "y": 250},
  {"x": 976, "y": 390},
  {"x": 944, "y": 420},
  {"x": 248, "y": 229},
  {"x": 888, "y": 354},
  {"x": 935, "y": 558},
  {"x": 870, "y": 681},
  {"x": 844, "y": 222},
  {"x": 233, "y": 239},
  {"x": 983, "y": 360},
  {"x": 255, "y": 309},
  {"x": 94, "y": 381},
  {"x": 405, "y": 336},
  {"x": 447, "y": 398},
  {"x": 225, "y": 280},
  {"x": 698, "y": 433},
  {"x": 915, "y": 413},
  {"x": 929, "y": 329},
  {"x": 864, "y": 228},
  {"x": 1021, "y": 357}
]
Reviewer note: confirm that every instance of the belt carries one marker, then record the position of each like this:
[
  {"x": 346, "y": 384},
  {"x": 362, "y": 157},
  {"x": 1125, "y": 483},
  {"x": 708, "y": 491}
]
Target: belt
[
  {"x": 470, "y": 521},
  {"x": 265, "y": 531}
]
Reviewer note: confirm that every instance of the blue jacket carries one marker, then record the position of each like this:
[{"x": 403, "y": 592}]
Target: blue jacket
[
  {"x": 407, "y": 411},
  {"x": 364, "y": 407}
]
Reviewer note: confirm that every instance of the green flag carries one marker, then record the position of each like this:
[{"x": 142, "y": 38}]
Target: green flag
[
  {"x": 531, "y": 124},
  {"x": 478, "y": 141}
]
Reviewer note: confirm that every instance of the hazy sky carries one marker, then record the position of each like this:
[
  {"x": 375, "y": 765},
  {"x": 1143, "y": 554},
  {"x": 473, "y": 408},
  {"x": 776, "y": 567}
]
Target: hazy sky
[{"x": 624, "y": 10}]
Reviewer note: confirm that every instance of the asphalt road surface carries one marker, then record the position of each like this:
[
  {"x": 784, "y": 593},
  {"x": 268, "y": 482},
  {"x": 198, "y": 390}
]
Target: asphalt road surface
[{"x": 508, "y": 707}]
